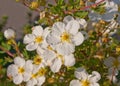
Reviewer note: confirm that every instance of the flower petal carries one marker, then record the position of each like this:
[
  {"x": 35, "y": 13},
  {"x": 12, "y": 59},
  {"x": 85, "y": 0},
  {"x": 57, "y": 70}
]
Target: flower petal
[
  {"x": 94, "y": 16},
  {"x": 109, "y": 61},
  {"x": 37, "y": 30},
  {"x": 26, "y": 76},
  {"x": 69, "y": 60},
  {"x": 55, "y": 67},
  {"x": 12, "y": 70},
  {"x": 18, "y": 79},
  {"x": 46, "y": 31},
  {"x": 40, "y": 50},
  {"x": 73, "y": 27},
  {"x": 65, "y": 48},
  {"x": 67, "y": 19},
  {"x": 75, "y": 83},
  {"x": 81, "y": 73},
  {"x": 78, "y": 39},
  {"x": 41, "y": 80},
  {"x": 31, "y": 82},
  {"x": 82, "y": 22},
  {"x": 28, "y": 38},
  {"x": 32, "y": 46},
  {"x": 52, "y": 39},
  {"x": 30, "y": 67},
  {"x": 9, "y": 33},
  {"x": 94, "y": 84},
  {"x": 49, "y": 55},
  {"x": 19, "y": 61},
  {"x": 95, "y": 77},
  {"x": 58, "y": 28}
]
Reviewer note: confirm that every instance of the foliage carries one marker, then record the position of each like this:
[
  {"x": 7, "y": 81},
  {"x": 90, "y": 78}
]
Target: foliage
[{"x": 96, "y": 47}]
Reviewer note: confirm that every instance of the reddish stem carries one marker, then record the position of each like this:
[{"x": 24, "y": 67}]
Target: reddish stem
[
  {"x": 6, "y": 51},
  {"x": 86, "y": 7},
  {"x": 83, "y": 8}
]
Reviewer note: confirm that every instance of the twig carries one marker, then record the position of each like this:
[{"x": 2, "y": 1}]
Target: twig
[
  {"x": 83, "y": 8},
  {"x": 6, "y": 51},
  {"x": 27, "y": 5}
]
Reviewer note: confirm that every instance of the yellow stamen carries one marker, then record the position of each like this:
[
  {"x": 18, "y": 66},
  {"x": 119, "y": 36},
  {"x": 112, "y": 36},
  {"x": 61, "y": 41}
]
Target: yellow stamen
[
  {"x": 49, "y": 47},
  {"x": 65, "y": 37},
  {"x": 42, "y": 72},
  {"x": 34, "y": 5},
  {"x": 117, "y": 49},
  {"x": 116, "y": 63},
  {"x": 34, "y": 75},
  {"x": 61, "y": 57},
  {"x": 39, "y": 39},
  {"x": 37, "y": 60},
  {"x": 85, "y": 83},
  {"x": 21, "y": 70}
]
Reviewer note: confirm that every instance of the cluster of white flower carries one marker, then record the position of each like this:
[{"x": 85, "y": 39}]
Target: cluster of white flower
[
  {"x": 55, "y": 47},
  {"x": 114, "y": 66},
  {"x": 57, "y": 43},
  {"x": 28, "y": 71},
  {"x": 85, "y": 79}
]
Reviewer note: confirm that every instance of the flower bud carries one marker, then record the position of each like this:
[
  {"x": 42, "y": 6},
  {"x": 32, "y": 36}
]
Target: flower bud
[
  {"x": 34, "y": 5},
  {"x": 9, "y": 33}
]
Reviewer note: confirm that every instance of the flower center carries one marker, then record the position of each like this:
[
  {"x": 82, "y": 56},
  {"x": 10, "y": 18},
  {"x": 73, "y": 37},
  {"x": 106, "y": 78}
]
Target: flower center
[
  {"x": 39, "y": 39},
  {"x": 34, "y": 75},
  {"x": 37, "y": 60},
  {"x": 116, "y": 63},
  {"x": 21, "y": 70},
  {"x": 42, "y": 72},
  {"x": 60, "y": 56},
  {"x": 65, "y": 37},
  {"x": 49, "y": 47},
  {"x": 85, "y": 83}
]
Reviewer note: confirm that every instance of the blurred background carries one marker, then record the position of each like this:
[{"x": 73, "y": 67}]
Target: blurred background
[{"x": 17, "y": 15}]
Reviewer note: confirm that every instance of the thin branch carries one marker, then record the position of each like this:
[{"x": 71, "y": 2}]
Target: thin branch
[
  {"x": 27, "y": 5},
  {"x": 83, "y": 8},
  {"x": 6, "y": 51}
]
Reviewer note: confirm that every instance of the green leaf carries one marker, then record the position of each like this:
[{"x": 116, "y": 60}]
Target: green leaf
[
  {"x": 60, "y": 2},
  {"x": 6, "y": 46},
  {"x": 42, "y": 2},
  {"x": 74, "y": 2},
  {"x": 81, "y": 14}
]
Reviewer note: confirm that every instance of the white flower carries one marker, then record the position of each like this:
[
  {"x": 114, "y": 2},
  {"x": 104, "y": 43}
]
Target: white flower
[
  {"x": 84, "y": 79},
  {"x": 112, "y": 62},
  {"x": 65, "y": 37},
  {"x": 20, "y": 71},
  {"x": 81, "y": 21},
  {"x": 112, "y": 73},
  {"x": 111, "y": 9},
  {"x": 37, "y": 76},
  {"x": 39, "y": 60},
  {"x": 9, "y": 33},
  {"x": 56, "y": 60},
  {"x": 114, "y": 65},
  {"x": 36, "y": 40}
]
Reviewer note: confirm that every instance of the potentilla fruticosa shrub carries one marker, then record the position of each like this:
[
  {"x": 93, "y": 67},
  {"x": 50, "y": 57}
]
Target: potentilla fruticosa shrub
[{"x": 72, "y": 43}]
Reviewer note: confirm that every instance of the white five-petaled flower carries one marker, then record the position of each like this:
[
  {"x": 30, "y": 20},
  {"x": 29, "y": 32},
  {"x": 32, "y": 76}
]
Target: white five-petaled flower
[
  {"x": 37, "y": 76},
  {"x": 36, "y": 40},
  {"x": 56, "y": 60},
  {"x": 20, "y": 71},
  {"x": 112, "y": 62},
  {"x": 82, "y": 22},
  {"x": 85, "y": 79},
  {"x": 111, "y": 9},
  {"x": 114, "y": 65},
  {"x": 9, "y": 33},
  {"x": 65, "y": 37}
]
